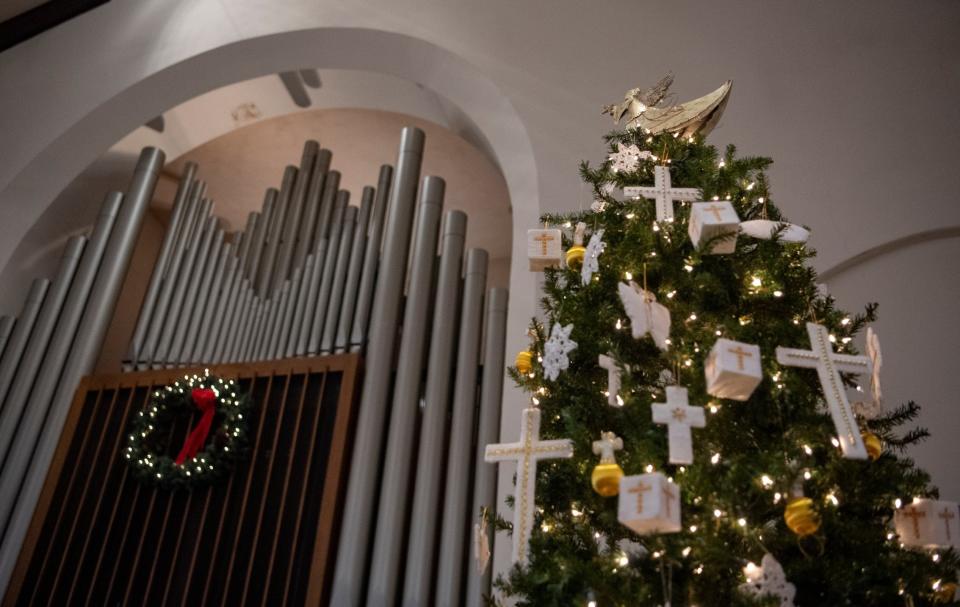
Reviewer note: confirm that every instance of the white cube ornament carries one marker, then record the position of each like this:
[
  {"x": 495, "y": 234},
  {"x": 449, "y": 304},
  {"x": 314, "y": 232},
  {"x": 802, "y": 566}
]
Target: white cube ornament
[
  {"x": 732, "y": 369},
  {"x": 928, "y": 523},
  {"x": 711, "y": 220},
  {"x": 649, "y": 503},
  {"x": 544, "y": 249}
]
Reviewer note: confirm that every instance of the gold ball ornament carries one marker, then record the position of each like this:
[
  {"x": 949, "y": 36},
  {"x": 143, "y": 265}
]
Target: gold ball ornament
[
  {"x": 945, "y": 593},
  {"x": 873, "y": 444},
  {"x": 524, "y": 362},
  {"x": 801, "y": 517},
  {"x": 606, "y": 479},
  {"x": 575, "y": 256}
]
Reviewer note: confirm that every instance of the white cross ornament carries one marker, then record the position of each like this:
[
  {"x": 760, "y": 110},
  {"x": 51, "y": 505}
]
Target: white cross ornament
[
  {"x": 649, "y": 503},
  {"x": 663, "y": 192},
  {"x": 828, "y": 366},
  {"x": 608, "y": 443},
  {"x": 527, "y": 452},
  {"x": 614, "y": 375},
  {"x": 679, "y": 417}
]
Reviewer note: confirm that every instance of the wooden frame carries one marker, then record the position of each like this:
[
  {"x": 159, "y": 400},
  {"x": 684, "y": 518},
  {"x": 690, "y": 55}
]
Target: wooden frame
[{"x": 333, "y": 482}]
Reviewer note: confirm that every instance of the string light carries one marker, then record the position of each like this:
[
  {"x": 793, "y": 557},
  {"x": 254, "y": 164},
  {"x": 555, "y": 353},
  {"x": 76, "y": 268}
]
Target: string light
[
  {"x": 742, "y": 522},
  {"x": 715, "y": 458},
  {"x": 766, "y": 481}
]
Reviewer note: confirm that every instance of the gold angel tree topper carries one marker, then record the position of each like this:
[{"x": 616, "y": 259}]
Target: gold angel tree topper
[{"x": 697, "y": 116}]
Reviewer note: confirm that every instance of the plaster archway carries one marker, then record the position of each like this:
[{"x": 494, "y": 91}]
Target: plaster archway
[{"x": 32, "y": 190}]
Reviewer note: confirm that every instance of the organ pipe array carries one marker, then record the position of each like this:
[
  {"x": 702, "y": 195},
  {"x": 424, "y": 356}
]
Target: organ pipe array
[
  {"x": 53, "y": 343},
  {"x": 311, "y": 273}
]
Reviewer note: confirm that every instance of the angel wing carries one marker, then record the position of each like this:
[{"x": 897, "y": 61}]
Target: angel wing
[
  {"x": 646, "y": 315},
  {"x": 766, "y": 229},
  {"x": 699, "y": 115},
  {"x": 873, "y": 351}
]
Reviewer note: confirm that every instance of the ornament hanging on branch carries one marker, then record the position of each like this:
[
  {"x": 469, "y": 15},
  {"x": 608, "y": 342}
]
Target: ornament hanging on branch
[
  {"x": 732, "y": 369},
  {"x": 828, "y": 366},
  {"x": 800, "y": 516},
  {"x": 576, "y": 252},
  {"x": 768, "y": 580},
  {"x": 927, "y": 523},
  {"x": 591, "y": 262},
  {"x": 614, "y": 374},
  {"x": 715, "y": 225},
  {"x": 481, "y": 543},
  {"x": 649, "y": 504},
  {"x": 526, "y": 453},
  {"x": 646, "y": 315},
  {"x": 212, "y": 446},
  {"x": 764, "y": 229},
  {"x": 555, "y": 351},
  {"x": 873, "y": 444},
  {"x": 544, "y": 248},
  {"x": 627, "y": 158},
  {"x": 679, "y": 417},
  {"x": 663, "y": 192},
  {"x": 524, "y": 362},
  {"x": 607, "y": 474}
]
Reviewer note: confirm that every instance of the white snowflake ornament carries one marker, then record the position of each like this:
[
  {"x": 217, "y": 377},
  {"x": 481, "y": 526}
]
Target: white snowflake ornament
[
  {"x": 590, "y": 263},
  {"x": 768, "y": 580},
  {"x": 627, "y": 158},
  {"x": 555, "y": 351},
  {"x": 598, "y": 205}
]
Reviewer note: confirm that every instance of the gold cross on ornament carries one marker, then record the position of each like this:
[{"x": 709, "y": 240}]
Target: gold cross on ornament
[
  {"x": 739, "y": 352},
  {"x": 679, "y": 414},
  {"x": 947, "y": 516},
  {"x": 916, "y": 515},
  {"x": 668, "y": 496},
  {"x": 715, "y": 210},
  {"x": 639, "y": 489},
  {"x": 543, "y": 239}
]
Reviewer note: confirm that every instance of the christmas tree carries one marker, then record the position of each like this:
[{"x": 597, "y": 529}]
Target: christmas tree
[{"x": 688, "y": 348}]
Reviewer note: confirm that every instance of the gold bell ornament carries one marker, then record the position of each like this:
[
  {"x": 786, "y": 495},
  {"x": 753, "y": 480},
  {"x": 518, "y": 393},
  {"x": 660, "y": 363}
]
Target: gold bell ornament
[
  {"x": 577, "y": 251},
  {"x": 800, "y": 516},
  {"x": 873, "y": 444},
  {"x": 606, "y": 475},
  {"x": 524, "y": 362},
  {"x": 945, "y": 593}
]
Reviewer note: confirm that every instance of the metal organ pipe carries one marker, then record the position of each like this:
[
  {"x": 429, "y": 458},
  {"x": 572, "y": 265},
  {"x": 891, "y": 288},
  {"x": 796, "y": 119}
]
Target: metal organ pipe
[
  {"x": 260, "y": 235},
  {"x": 339, "y": 280},
  {"x": 83, "y": 351},
  {"x": 299, "y": 310},
  {"x": 392, "y": 512},
  {"x": 21, "y": 332},
  {"x": 191, "y": 218},
  {"x": 58, "y": 318},
  {"x": 16, "y": 392},
  {"x": 457, "y": 493},
  {"x": 291, "y": 225},
  {"x": 421, "y": 551},
  {"x": 265, "y": 281},
  {"x": 204, "y": 332},
  {"x": 160, "y": 267},
  {"x": 6, "y": 327},
  {"x": 488, "y": 430},
  {"x": 329, "y": 269},
  {"x": 311, "y": 208},
  {"x": 202, "y": 301},
  {"x": 189, "y": 271},
  {"x": 348, "y": 582},
  {"x": 371, "y": 261},
  {"x": 357, "y": 248}
]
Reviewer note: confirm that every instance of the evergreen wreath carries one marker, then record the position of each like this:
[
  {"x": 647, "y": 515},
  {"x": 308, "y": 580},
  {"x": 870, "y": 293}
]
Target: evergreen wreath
[{"x": 216, "y": 440}]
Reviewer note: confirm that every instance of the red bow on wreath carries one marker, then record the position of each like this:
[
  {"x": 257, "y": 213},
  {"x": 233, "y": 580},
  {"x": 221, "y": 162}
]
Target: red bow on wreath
[{"x": 206, "y": 401}]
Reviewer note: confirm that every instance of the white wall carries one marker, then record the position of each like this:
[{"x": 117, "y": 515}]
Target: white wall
[{"x": 856, "y": 101}]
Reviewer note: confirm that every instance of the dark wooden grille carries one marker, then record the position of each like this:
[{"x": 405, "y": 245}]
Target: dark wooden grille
[{"x": 262, "y": 536}]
